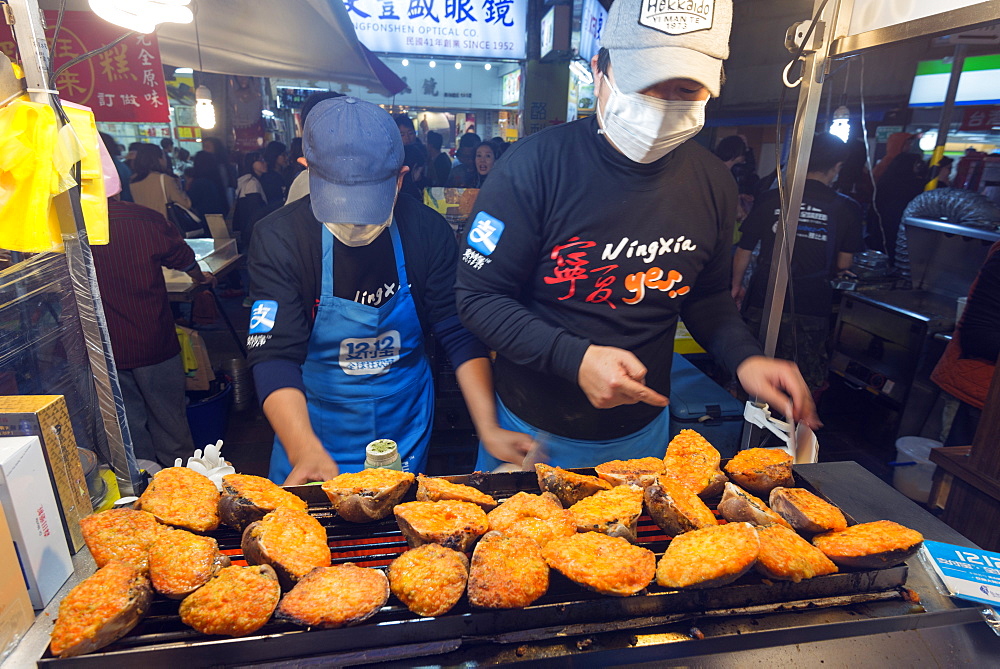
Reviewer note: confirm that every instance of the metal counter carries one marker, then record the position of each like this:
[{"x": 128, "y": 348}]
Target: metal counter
[{"x": 940, "y": 631}]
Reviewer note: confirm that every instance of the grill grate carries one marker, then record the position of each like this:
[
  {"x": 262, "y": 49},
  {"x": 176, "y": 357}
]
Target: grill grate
[{"x": 162, "y": 640}]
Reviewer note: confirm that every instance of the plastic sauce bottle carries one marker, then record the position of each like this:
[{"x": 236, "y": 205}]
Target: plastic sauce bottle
[{"x": 383, "y": 453}]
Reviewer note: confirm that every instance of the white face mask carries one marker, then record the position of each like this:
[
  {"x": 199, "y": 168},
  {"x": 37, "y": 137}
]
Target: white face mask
[
  {"x": 351, "y": 234},
  {"x": 645, "y": 128}
]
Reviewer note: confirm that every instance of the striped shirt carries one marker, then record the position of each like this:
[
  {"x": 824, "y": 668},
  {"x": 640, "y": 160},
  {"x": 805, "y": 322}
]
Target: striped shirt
[{"x": 133, "y": 290}]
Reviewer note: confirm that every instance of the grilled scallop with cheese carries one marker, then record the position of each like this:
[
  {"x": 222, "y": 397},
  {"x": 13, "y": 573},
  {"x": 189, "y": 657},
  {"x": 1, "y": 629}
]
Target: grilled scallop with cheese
[
  {"x": 183, "y": 498},
  {"x": 608, "y": 565},
  {"x": 292, "y": 542},
  {"x": 738, "y": 505},
  {"x": 456, "y": 525},
  {"x": 181, "y": 562},
  {"x": 806, "y": 512},
  {"x": 247, "y": 498},
  {"x": 435, "y": 490},
  {"x": 537, "y": 517},
  {"x": 429, "y": 579},
  {"x": 613, "y": 512},
  {"x": 693, "y": 462},
  {"x": 568, "y": 486},
  {"x": 676, "y": 508},
  {"x": 876, "y": 545},
  {"x": 639, "y": 472},
  {"x": 761, "y": 470},
  {"x": 100, "y": 610},
  {"x": 236, "y": 602},
  {"x": 338, "y": 596},
  {"x": 786, "y": 556},
  {"x": 368, "y": 495},
  {"x": 121, "y": 534},
  {"x": 708, "y": 558},
  {"x": 508, "y": 572}
]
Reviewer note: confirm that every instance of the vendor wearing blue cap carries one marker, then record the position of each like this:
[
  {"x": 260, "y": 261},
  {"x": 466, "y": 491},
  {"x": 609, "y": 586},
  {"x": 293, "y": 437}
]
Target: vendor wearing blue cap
[{"x": 347, "y": 285}]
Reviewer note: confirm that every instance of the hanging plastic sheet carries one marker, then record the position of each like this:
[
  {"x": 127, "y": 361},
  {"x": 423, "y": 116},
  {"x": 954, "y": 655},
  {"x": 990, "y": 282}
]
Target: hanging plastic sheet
[{"x": 37, "y": 160}]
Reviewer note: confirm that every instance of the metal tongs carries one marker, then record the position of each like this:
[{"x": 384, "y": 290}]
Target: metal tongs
[{"x": 800, "y": 441}]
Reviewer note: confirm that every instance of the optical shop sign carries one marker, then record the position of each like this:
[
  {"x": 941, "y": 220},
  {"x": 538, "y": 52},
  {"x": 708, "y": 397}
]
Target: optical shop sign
[
  {"x": 123, "y": 84},
  {"x": 443, "y": 28}
]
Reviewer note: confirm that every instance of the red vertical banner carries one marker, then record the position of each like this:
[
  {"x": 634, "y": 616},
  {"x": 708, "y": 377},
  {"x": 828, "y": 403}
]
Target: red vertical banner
[{"x": 123, "y": 84}]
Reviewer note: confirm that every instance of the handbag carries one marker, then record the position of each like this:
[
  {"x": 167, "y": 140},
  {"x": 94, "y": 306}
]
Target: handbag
[{"x": 187, "y": 222}]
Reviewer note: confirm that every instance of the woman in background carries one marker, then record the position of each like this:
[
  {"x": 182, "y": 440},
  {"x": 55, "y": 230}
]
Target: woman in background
[
  {"x": 151, "y": 185},
  {"x": 207, "y": 193},
  {"x": 485, "y": 159}
]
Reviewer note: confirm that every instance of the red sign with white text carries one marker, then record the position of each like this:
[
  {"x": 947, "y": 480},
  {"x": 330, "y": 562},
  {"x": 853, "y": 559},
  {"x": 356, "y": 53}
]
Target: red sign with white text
[
  {"x": 980, "y": 119},
  {"x": 123, "y": 84}
]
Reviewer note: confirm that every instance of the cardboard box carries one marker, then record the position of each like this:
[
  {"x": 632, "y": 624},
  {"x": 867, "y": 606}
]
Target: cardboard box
[
  {"x": 47, "y": 417},
  {"x": 33, "y": 517},
  {"x": 16, "y": 615}
]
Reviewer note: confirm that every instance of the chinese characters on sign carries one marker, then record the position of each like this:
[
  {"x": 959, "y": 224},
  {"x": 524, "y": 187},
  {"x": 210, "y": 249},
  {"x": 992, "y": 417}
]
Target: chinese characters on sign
[
  {"x": 455, "y": 28},
  {"x": 123, "y": 84}
]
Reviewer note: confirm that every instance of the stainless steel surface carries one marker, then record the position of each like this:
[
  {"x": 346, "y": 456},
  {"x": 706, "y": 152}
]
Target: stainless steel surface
[
  {"x": 884, "y": 343},
  {"x": 944, "y": 257},
  {"x": 965, "y": 18},
  {"x": 36, "y": 640}
]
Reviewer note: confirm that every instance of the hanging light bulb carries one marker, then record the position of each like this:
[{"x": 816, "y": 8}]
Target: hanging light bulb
[
  {"x": 204, "y": 112},
  {"x": 488, "y": 67},
  {"x": 432, "y": 64},
  {"x": 458, "y": 66},
  {"x": 405, "y": 62},
  {"x": 841, "y": 125},
  {"x": 142, "y": 16}
]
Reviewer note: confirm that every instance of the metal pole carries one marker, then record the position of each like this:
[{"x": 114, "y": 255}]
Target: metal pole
[
  {"x": 810, "y": 97},
  {"x": 946, "y": 111},
  {"x": 29, "y": 33}
]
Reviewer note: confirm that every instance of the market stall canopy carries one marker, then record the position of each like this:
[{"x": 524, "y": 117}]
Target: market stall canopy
[{"x": 307, "y": 39}]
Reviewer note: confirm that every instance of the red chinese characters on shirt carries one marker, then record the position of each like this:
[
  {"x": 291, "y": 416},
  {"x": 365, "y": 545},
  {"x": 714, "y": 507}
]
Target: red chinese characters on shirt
[{"x": 571, "y": 267}]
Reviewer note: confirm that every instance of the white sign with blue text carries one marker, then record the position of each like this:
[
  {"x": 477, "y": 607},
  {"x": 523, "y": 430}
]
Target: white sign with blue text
[
  {"x": 969, "y": 573},
  {"x": 444, "y": 28}
]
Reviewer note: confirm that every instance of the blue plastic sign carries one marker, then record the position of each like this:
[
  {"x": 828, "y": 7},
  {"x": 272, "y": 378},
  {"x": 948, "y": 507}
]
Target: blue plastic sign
[
  {"x": 443, "y": 28},
  {"x": 969, "y": 573}
]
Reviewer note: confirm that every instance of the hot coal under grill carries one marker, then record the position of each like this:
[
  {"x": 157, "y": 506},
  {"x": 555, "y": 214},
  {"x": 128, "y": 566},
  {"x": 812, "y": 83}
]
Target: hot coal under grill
[{"x": 394, "y": 633}]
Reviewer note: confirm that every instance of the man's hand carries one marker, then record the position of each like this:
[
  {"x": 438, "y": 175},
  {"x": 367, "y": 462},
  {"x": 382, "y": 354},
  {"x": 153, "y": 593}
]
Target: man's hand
[
  {"x": 780, "y": 384},
  {"x": 506, "y": 445},
  {"x": 612, "y": 376},
  {"x": 738, "y": 293},
  {"x": 314, "y": 465},
  {"x": 208, "y": 279}
]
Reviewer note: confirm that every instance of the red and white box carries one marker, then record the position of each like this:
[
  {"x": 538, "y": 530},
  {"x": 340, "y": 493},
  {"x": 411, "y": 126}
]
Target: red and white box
[{"x": 33, "y": 516}]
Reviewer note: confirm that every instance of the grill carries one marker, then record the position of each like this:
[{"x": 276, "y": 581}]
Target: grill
[{"x": 395, "y": 633}]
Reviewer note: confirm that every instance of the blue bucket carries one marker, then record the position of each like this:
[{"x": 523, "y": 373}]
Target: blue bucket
[{"x": 209, "y": 417}]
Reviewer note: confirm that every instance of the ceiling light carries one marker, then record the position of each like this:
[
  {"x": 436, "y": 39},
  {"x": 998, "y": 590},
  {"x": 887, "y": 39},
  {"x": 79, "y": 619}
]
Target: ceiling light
[
  {"x": 488, "y": 67},
  {"x": 405, "y": 62},
  {"x": 142, "y": 15},
  {"x": 841, "y": 125},
  {"x": 433, "y": 63},
  {"x": 458, "y": 66},
  {"x": 204, "y": 112},
  {"x": 183, "y": 70}
]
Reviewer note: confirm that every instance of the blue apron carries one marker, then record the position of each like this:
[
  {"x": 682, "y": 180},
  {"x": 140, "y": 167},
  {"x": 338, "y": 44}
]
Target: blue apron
[
  {"x": 366, "y": 375},
  {"x": 650, "y": 441}
]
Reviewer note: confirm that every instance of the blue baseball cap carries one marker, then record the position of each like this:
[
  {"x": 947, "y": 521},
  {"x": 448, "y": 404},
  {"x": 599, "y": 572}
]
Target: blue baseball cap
[{"x": 354, "y": 152}]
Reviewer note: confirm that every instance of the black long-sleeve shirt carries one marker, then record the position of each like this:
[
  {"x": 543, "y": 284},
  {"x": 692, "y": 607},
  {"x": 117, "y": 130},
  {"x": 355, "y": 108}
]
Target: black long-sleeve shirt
[
  {"x": 285, "y": 267},
  {"x": 577, "y": 245}
]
